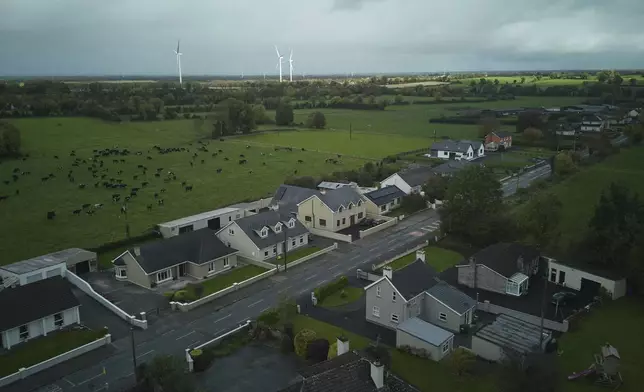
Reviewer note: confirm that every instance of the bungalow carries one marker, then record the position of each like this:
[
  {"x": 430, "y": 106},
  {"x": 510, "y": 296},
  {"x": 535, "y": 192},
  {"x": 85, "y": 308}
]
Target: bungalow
[
  {"x": 495, "y": 140},
  {"x": 593, "y": 123},
  {"x": 450, "y": 168},
  {"x": 410, "y": 180},
  {"x": 36, "y": 309},
  {"x": 457, "y": 149},
  {"x": 501, "y": 268},
  {"x": 199, "y": 254},
  {"x": 333, "y": 210},
  {"x": 263, "y": 236},
  {"x": 383, "y": 200}
]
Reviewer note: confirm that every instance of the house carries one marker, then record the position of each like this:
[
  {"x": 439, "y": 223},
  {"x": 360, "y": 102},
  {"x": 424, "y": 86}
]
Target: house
[
  {"x": 494, "y": 140},
  {"x": 287, "y": 197},
  {"x": 419, "y": 334},
  {"x": 261, "y": 237},
  {"x": 333, "y": 210},
  {"x": 586, "y": 279},
  {"x": 450, "y": 168},
  {"x": 503, "y": 268},
  {"x": 410, "y": 180},
  {"x": 457, "y": 150},
  {"x": 349, "y": 371},
  {"x": 199, "y": 254},
  {"x": 213, "y": 220},
  {"x": 53, "y": 264},
  {"x": 593, "y": 123},
  {"x": 383, "y": 200},
  {"x": 36, "y": 309},
  {"x": 328, "y": 185},
  {"x": 446, "y": 306},
  {"x": 509, "y": 337}
]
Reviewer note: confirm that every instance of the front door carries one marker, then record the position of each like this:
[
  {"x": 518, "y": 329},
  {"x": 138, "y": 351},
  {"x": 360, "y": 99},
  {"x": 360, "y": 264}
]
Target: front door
[
  {"x": 562, "y": 277},
  {"x": 352, "y": 219},
  {"x": 182, "y": 270}
]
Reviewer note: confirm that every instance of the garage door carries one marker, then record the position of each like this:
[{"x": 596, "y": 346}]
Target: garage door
[
  {"x": 82, "y": 267},
  {"x": 33, "y": 278},
  {"x": 52, "y": 273},
  {"x": 589, "y": 288}
]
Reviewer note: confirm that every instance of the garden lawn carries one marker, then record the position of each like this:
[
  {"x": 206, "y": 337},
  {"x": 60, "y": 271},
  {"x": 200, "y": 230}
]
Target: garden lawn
[
  {"x": 297, "y": 254},
  {"x": 237, "y": 275},
  {"x": 43, "y": 348},
  {"x": 616, "y": 322},
  {"x": 351, "y": 294},
  {"x": 440, "y": 259}
]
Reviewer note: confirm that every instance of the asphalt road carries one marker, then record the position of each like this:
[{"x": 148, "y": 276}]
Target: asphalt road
[
  {"x": 173, "y": 332},
  {"x": 510, "y": 186}
]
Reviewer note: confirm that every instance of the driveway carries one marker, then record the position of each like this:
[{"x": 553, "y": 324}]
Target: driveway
[
  {"x": 97, "y": 316},
  {"x": 131, "y": 298}
]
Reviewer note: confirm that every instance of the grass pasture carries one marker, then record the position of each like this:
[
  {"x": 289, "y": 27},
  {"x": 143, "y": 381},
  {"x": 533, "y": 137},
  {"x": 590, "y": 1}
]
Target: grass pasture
[{"x": 25, "y": 215}]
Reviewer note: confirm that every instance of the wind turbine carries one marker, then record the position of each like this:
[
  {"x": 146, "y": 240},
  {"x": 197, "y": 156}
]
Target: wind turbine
[
  {"x": 279, "y": 62},
  {"x": 178, "y": 53},
  {"x": 290, "y": 63}
]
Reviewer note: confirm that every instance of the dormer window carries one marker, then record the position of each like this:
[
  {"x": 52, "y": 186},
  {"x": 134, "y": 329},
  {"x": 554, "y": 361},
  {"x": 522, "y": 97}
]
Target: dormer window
[
  {"x": 264, "y": 232},
  {"x": 291, "y": 223},
  {"x": 278, "y": 228},
  {"x": 359, "y": 203},
  {"x": 350, "y": 205},
  {"x": 341, "y": 209}
]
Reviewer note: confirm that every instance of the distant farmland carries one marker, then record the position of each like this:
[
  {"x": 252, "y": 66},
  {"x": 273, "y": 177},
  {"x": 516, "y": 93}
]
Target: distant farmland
[{"x": 414, "y": 84}]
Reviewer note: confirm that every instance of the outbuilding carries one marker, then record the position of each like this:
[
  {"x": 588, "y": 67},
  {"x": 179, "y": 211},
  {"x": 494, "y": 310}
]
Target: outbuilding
[
  {"x": 420, "y": 334},
  {"x": 586, "y": 280},
  {"x": 213, "y": 220},
  {"x": 32, "y": 270}
]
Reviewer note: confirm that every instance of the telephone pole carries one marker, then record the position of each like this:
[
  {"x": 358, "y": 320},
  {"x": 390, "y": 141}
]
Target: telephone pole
[
  {"x": 285, "y": 245},
  {"x": 350, "y": 130},
  {"x": 136, "y": 376}
]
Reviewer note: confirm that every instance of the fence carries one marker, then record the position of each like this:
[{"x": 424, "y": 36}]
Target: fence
[
  {"x": 87, "y": 289},
  {"x": 405, "y": 253},
  {"x": 364, "y": 275},
  {"x": 389, "y": 222},
  {"x": 31, "y": 370},
  {"x": 548, "y": 324},
  {"x": 330, "y": 234},
  {"x": 216, "y": 340},
  {"x": 309, "y": 257},
  {"x": 262, "y": 264},
  {"x": 236, "y": 286}
]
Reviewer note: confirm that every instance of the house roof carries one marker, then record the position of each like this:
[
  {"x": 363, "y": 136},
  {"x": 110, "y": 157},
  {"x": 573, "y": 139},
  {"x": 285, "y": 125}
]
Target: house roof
[
  {"x": 73, "y": 255},
  {"x": 382, "y": 196},
  {"x": 34, "y": 301},
  {"x": 199, "y": 246},
  {"x": 503, "y": 257},
  {"x": 455, "y": 145},
  {"x": 251, "y": 225},
  {"x": 119, "y": 261},
  {"x": 333, "y": 185},
  {"x": 454, "y": 298},
  {"x": 288, "y": 196},
  {"x": 348, "y": 372},
  {"x": 194, "y": 218},
  {"x": 451, "y": 167},
  {"x": 340, "y": 197},
  {"x": 512, "y": 333},
  {"x": 414, "y": 279},
  {"x": 502, "y": 134},
  {"x": 416, "y": 176},
  {"x": 425, "y": 331}
]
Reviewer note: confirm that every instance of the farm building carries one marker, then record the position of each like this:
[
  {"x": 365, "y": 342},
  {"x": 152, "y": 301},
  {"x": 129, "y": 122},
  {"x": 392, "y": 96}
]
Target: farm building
[
  {"x": 584, "y": 280},
  {"x": 49, "y": 265},
  {"x": 214, "y": 220}
]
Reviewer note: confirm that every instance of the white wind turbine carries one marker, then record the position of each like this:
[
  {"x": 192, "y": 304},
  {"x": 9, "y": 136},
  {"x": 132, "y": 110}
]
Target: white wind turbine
[
  {"x": 279, "y": 62},
  {"x": 178, "y": 53},
  {"x": 290, "y": 63}
]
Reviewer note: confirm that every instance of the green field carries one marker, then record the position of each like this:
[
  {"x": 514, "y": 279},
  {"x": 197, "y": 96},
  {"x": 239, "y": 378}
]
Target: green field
[
  {"x": 26, "y": 232},
  {"x": 547, "y": 82}
]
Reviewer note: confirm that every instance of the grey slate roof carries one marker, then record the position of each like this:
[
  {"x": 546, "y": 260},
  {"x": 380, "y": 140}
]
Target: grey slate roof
[
  {"x": 502, "y": 257},
  {"x": 349, "y": 372},
  {"x": 199, "y": 246},
  {"x": 72, "y": 255},
  {"x": 414, "y": 279},
  {"x": 502, "y": 134},
  {"x": 288, "y": 196},
  {"x": 425, "y": 331},
  {"x": 251, "y": 225},
  {"x": 455, "y": 145},
  {"x": 34, "y": 301},
  {"x": 382, "y": 196},
  {"x": 451, "y": 167},
  {"x": 452, "y": 297},
  {"x": 416, "y": 176},
  {"x": 340, "y": 197},
  {"x": 119, "y": 261},
  {"x": 511, "y": 333}
]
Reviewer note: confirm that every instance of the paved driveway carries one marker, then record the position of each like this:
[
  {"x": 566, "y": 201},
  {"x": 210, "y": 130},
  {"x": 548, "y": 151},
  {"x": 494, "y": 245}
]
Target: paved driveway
[{"x": 131, "y": 298}]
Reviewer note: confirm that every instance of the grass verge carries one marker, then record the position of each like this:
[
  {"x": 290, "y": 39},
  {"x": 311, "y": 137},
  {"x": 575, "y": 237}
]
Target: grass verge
[
  {"x": 342, "y": 297},
  {"x": 297, "y": 254},
  {"x": 236, "y": 275}
]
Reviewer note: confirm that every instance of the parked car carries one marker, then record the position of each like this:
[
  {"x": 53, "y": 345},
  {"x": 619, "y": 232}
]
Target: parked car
[{"x": 563, "y": 298}]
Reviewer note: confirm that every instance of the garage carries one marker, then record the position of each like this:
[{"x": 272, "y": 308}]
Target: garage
[
  {"x": 589, "y": 288},
  {"x": 584, "y": 278}
]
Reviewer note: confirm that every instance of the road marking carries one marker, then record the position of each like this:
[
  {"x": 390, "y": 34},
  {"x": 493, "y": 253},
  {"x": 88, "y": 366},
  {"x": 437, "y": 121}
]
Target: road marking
[
  {"x": 284, "y": 289},
  {"x": 183, "y": 336},
  {"x": 242, "y": 321},
  {"x": 338, "y": 274},
  {"x": 303, "y": 291},
  {"x": 265, "y": 309},
  {"x": 194, "y": 344},
  {"x": 144, "y": 354},
  {"x": 194, "y": 321},
  {"x": 392, "y": 241},
  {"x": 166, "y": 333},
  {"x": 70, "y": 383},
  {"x": 255, "y": 303},
  {"x": 218, "y": 332},
  {"x": 223, "y": 318},
  {"x": 89, "y": 379},
  {"x": 128, "y": 375},
  {"x": 334, "y": 266},
  {"x": 354, "y": 257},
  {"x": 311, "y": 277},
  {"x": 320, "y": 283}
]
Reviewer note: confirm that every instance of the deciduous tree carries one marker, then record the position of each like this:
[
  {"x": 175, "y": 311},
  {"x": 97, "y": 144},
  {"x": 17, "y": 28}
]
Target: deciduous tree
[
  {"x": 531, "y": 135},
  {"x": 564, "y": 164},
  {"x": 165, "y": 373},
  {"x": 529, "y": 119},
  {"x": 435, "y": 188},
  {"x": 487, "y": 125},
  {"x": 316, "y": 120},
  {"x": 284, "y": 114},
  {"x": 540, "y": 219}
]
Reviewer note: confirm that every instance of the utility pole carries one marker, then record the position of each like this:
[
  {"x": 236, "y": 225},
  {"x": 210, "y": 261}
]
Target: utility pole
[
  {"x": 350, "y": 130},
  {"x": 285, "y": 245},
  {"x": 136, "y": 377}
]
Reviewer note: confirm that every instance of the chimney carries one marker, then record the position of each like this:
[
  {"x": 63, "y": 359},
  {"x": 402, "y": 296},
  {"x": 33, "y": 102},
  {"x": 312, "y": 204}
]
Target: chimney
[
  {"x": 420, "y": 255},
  {"x": 137, "y": 251},
  {"x": 378, "y": 374},
  {"x": 343, "y": 345},
  {"x": 387, "y": 272},
  {"x": 472, "y": 260}
]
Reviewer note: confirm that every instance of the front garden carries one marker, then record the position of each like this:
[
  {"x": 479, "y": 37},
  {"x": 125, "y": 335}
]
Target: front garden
[
  {"x": 439, "y": 258},
  {"x": 296, "y": 254}
]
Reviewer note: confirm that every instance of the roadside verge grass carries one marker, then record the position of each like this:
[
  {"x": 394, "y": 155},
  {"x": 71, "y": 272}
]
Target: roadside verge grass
[
  {"x": 223, "y": 281},
  {"x": 342, "y": 297},
  {"x": 296, "y": 254}
]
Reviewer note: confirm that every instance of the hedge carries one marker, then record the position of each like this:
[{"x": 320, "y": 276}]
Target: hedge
[{"x": 324, "y": 291}]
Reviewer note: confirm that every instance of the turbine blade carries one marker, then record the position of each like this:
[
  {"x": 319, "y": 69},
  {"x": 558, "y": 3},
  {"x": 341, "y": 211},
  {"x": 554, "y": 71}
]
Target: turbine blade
[
  {"x": 277, "y": 51},
  {"x": 178, "y": 42},
  {"x": 291, "y": 57}
]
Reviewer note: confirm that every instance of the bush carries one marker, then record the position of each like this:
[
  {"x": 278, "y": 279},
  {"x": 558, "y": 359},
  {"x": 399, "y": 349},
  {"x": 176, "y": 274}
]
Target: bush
[
  {"x": 343, "y": 294},
  {"x": 317, "y": 350},
  {"x": 181, "y": 296},
  {"x": 169, "y": 295},
  {"x": 333, "y": 350},
  {"x": 461, "y": 362},
  {"x": 270, "y": 317},
  {"x": 324, "y": 291},
  {"x": 316, "y": 120},
  {"x": 302, "y": 340}
]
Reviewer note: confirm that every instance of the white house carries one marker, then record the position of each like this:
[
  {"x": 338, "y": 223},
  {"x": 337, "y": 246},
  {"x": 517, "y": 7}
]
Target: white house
[
  {"x": 214, "y": 220},
  {"x": 457, "y": 149},
  {"x": 585, "y": 281},
  {"x": 593, "y": 123},
  {"x": 409, "y": 181},
  {"x": 36, "y": 309}
]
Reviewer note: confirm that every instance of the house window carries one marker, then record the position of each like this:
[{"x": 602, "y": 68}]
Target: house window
[
  {"x": 360, "y": 215},
  {"x": 383, "y": 208},
  {"x": 291, "y": 223},
  {"x": 445, "y": 347},
  {"x": 264, "y": 232},
  {"x": 122, "y": 273},
  {"x": 376, "y": 311},
  {"x": 359, "y": 203},
  {"x": 278, "y": 228},
  {"x": 266, "y": 254},
  {"x": 394, "y": 318},
  {"x": 163, "y": 276},
  {"x": 337, "y": 223},
  {"x": 231, "y": 231},
  {"x": 211, "y": 266},
  {"x": 274, "y": 249},
  {"x": 186, "y": 229},
  {"x": 377, "y": 291},
  {"x": 293, "y": 243},
  {"x": 230, "y": 218},
  {"x": 307, "y": 218},
  {"x": 323, "y": 222},
  {"x": 553, "y": 275},
  {"x": 350, "y": 206},
  {"x": 393, "y": 296},
  {"x": 58, "y": 320},
  {"x": 344, "y": 221},
  {"x": 24, "y": 332},
  {"x": 341, "y": 209},
  {"x": 442, "y": 316},
  {"x": 301, "y": 239},
  {"x": 226, "y": 262}
]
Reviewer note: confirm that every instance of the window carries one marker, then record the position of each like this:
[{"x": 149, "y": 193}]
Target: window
[
  {"x": 293, "y": 243},
  {"x": 278, "y": 228},
  {"x": 337, "y": 223},
  {"x": 163, "y": 276},
  {"x": 360, "y": 215},
  {"x": 301, "y": 239},
  {"x": 266, "y": 254},
  {"x": 58, "y": 320},
  {"x": 377, "y": 291},
  {"x": 211, "y": 266},
  {"x": 394, "y": 318},
  {"x": 230, "y": 218},
  {"x": 359, "y": 203},
  {"x": 307, "y": 218},
  {"x": 264, "y": 232},
  {"x": 344, "y": 221},
  {"x": 274, "y": 249},
  {"x": 376, "y": 311},
  {"x": 350, "y": 206},
  {"x": 383, "y": 208},
  {"x": 231, "y": 231},
  {"x": 340, "y": 209},
  {"x": 323, "y": 222},
  {"x": 185, "y": 229},
  {"x": 291, "y": 223},
  {"x": 445, "y": 347},
  {"x": 393, "y": 296},
  {"x": 226, "y": 262},
  {"x": 122, "y": 273},
  {"x": 442, "y": 316},
  {"x": 24, "y": 332}
]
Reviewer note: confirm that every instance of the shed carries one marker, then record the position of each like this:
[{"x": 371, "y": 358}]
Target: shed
[
  {"x": 46, "y": 266},
  {"x": 214, "y": 220},
  {"x": 420, "y": 334},
  {"x": 587, "y": 280}
]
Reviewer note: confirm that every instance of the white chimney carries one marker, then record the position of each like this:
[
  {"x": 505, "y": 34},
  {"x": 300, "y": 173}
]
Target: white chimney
[
  {"x": 137, "y": 251},
  {"x": 420, "y": 255},
  {"x": 387, "y": 272},
  {"x": 378, "y": 374},
  {"x": 343, "y": 345}
]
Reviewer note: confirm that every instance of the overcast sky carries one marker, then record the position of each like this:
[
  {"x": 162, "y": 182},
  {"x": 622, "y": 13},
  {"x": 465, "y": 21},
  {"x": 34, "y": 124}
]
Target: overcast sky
[{"x": 221, "y": 37}]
